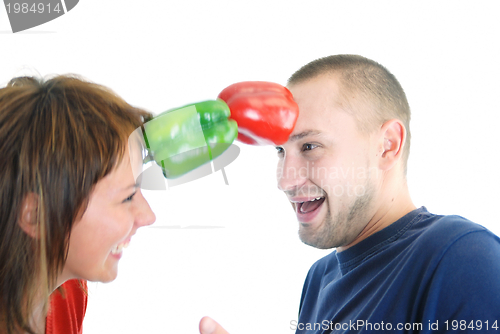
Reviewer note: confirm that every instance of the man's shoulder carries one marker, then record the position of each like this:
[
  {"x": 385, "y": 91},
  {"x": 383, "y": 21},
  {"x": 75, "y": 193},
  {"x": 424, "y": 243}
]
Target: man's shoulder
[
  {"x": 426, "y": 237},
  {"x": 451, "y": 238},
  {"x": 445, "y": 229}
]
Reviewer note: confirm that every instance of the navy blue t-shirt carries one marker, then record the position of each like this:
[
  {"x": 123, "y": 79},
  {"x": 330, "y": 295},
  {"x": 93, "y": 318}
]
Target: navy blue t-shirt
[{"x": 422, "y": 274}]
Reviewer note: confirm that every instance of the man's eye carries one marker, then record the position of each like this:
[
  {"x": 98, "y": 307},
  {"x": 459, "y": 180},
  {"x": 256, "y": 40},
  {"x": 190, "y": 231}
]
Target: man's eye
[
  {"x": 308, "y": 147},
  {"x": 280, "y": 150}
]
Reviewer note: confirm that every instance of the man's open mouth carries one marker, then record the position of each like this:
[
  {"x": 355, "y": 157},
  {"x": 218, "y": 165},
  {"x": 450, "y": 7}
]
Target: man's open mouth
[{"x": 309, "y": 206}]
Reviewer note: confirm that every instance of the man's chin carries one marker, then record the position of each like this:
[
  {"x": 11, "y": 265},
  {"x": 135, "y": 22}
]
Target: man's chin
[{"x": 314, "y": 239}]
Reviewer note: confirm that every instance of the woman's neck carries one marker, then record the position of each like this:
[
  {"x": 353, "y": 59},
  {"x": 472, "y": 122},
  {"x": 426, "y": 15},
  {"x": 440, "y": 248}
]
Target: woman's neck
[{"x": 37, "y": 321}]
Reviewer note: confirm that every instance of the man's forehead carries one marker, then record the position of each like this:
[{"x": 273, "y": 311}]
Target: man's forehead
[
  {"x": 316, "y": 98},
  {"x": 325, "y": 83},
  {"x": 315, "y": 117},
  {"x": 319, "y": 107},
  {"x": 306, "y": 133}
]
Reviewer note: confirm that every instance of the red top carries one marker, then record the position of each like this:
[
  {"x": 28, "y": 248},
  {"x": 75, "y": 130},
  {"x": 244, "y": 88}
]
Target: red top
[{"x": 66, "y": 312}]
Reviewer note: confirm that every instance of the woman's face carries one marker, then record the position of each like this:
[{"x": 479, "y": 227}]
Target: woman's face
[{"x": 115, "y": 211}]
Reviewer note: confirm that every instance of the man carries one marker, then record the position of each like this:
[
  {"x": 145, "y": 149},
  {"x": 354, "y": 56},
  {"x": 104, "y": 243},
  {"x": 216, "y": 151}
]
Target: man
[{"x": 396, "y": 268}]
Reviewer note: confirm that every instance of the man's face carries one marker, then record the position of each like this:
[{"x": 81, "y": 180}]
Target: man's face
[{"x": 327, "y": 168}]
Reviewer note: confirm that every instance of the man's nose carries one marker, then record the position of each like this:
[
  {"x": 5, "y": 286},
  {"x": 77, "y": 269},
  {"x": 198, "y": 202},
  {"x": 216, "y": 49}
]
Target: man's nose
[{"x": 291, "y": 174}]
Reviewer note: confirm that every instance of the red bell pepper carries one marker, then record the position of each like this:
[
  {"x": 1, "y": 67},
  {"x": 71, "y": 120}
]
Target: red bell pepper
[{"x": 265, "y": 111}]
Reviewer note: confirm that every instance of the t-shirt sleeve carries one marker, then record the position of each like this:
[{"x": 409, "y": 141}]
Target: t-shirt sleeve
[
  {"x": 67, "y": 308},
  {"x": 464, "y": 293}
]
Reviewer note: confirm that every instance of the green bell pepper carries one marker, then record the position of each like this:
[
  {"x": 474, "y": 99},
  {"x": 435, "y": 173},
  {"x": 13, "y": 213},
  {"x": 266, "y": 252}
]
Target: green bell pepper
[{"x": 183, "y": 139}]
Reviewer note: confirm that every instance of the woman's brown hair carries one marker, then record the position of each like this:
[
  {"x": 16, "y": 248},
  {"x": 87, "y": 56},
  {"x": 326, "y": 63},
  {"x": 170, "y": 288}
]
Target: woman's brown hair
[{"x": 58, "y": 138}]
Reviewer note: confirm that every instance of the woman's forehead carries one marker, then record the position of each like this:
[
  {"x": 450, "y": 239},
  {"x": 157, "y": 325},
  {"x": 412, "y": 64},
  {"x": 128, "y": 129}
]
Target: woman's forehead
[{"x": 137, "y": 151}]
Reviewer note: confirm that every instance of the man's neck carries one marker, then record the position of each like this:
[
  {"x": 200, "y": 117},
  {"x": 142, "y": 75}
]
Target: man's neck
[{"x": 391, "y": 206}]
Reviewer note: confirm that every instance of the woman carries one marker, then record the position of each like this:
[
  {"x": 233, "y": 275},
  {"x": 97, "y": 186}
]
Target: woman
[{"x": 68, "y": 197}]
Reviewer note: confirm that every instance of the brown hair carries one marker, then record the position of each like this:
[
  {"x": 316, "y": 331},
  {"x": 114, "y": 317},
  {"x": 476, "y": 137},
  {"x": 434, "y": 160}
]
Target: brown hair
[
  {"x": 368, "y": 91},
  {"x": 58, "y": 138}
]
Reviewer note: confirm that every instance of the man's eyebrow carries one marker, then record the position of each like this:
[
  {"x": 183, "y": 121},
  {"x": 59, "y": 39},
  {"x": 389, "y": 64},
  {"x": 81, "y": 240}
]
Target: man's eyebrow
[{"x": 304, "y": 134}]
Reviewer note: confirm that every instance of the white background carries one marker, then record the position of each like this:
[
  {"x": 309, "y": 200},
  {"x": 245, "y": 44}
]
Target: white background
[{"x": 248, "y": 273}]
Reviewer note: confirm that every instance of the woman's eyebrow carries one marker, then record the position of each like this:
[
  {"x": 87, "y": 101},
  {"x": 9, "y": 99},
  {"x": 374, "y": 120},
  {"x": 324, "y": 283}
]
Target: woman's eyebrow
[{"x": 135, "y": 185}]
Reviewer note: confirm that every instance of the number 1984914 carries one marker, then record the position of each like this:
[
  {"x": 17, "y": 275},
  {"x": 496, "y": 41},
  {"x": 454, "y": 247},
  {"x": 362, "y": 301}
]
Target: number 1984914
[
  {"x": 34, "y": 8},
  {"x": 463, "y": 325}
]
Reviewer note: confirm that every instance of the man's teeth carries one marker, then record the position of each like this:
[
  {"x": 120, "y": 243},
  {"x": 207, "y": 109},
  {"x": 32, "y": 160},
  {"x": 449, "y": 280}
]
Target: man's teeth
[
  {"x": 118, "y": 249},
  {"x": 315, "y": 199}
]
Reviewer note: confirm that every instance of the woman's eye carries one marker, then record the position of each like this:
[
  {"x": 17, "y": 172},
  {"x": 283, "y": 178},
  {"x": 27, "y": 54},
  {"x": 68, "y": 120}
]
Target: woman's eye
[{"x": 128, "y": 199}]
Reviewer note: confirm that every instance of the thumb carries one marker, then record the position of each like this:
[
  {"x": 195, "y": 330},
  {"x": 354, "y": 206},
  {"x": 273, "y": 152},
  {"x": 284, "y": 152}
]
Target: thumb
[{"x": 210, "y": 326}]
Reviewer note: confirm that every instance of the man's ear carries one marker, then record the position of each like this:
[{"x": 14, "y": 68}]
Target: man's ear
[
  {"x": 392, "y": 140},
  {"x": 28, "y": 218}
]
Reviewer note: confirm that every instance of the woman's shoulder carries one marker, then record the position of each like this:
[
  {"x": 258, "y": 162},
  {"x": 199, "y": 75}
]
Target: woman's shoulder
[{"x": 67, "y": 308}]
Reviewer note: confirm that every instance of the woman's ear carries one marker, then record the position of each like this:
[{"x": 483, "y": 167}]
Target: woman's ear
[
  {"x": 393, "y": 135},
  {"x": 29, "y": 212}
]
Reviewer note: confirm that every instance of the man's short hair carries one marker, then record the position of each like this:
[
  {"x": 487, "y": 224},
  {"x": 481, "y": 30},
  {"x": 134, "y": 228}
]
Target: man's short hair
[{"x": 368, "y": 91}]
